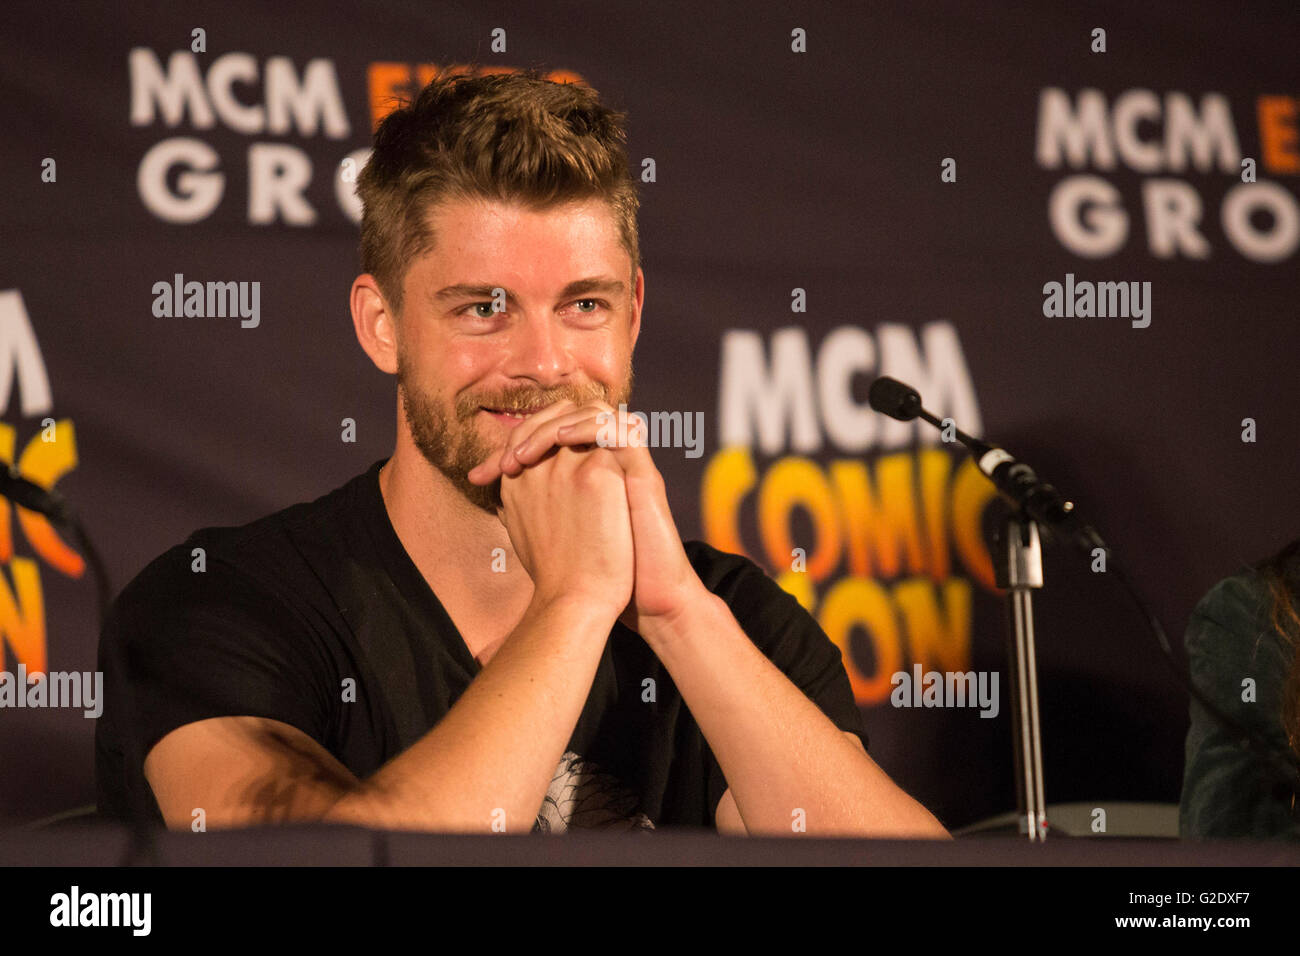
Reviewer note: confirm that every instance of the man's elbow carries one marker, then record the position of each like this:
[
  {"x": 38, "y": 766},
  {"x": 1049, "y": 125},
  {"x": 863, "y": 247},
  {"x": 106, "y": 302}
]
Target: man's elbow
[
  {"x": 362, "y": 805},
  {"x": 936, "y": 831},
  {"x": 921, "y": 824}
]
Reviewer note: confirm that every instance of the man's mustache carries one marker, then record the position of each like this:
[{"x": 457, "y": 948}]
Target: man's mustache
[{"x": 528, "y": 400}]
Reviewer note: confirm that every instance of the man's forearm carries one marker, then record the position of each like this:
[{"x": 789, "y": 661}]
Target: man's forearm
[
  {"x": 783, "y": 759},
  {"x": 496, "y": 750}
]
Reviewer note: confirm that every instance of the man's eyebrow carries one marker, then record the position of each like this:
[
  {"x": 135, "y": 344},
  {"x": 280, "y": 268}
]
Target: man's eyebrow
[
  {"x": 611, "y": 287},
  {"x": 607, "y": 286}
]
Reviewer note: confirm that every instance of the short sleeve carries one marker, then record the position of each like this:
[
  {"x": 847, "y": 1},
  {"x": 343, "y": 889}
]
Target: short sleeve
[
  {"x": 1227, "y": 789},
  {"x": 787, "y": 634},
  {"x": 183, "y": 645}
]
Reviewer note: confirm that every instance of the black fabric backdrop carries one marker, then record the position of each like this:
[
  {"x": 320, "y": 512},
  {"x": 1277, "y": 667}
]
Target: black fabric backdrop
[{"x": 774, "y": 170}]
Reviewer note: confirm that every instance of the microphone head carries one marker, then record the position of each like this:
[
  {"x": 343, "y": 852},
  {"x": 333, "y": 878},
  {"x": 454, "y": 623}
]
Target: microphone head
[{"x": 891, "y": 397}]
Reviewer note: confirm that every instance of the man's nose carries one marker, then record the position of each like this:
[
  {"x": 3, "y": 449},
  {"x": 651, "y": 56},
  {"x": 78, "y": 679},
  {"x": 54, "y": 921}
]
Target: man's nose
[{"x": 540, "y": 349}]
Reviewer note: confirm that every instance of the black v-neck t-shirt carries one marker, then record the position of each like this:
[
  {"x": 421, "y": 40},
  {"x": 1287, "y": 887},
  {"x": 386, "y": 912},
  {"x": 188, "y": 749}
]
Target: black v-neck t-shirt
[{"x": 317, "y": 617}]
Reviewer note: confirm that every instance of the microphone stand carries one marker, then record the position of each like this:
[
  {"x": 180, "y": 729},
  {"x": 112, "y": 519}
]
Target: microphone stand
[{"x": 1020, "y": 571}]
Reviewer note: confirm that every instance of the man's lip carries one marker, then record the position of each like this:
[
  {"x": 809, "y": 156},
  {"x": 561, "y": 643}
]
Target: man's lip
[{"x": 505, "y": 417}]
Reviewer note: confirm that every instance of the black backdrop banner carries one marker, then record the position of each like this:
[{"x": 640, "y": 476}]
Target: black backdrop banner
[{"x": 1074, "y": 230}]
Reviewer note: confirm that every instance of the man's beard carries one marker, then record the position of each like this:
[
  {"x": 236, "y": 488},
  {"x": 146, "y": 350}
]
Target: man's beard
[{"x": 456, "y": 448}]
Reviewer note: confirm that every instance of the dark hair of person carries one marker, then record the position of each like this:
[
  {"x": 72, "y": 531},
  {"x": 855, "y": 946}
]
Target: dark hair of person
[{"x": 1281, "y": 573}]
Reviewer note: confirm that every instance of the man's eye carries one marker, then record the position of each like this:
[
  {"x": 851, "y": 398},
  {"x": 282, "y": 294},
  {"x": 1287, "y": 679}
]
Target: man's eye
[
  {"x": 482, "y": 310},
  {"x": 596, "y": 303}
]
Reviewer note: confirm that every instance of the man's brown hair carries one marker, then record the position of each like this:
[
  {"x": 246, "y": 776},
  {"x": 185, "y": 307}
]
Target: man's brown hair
[{"x": 515, "y": 137}]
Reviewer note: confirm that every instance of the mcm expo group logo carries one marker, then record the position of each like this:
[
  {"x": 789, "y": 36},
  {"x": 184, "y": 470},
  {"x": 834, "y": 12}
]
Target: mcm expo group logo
[
  {"x": 1176, "y": 145},
  {"x": 181, "y": 179}
]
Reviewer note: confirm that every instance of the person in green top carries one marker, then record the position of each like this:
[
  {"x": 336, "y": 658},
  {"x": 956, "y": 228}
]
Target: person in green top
[{"x": 1246, "y": 627}]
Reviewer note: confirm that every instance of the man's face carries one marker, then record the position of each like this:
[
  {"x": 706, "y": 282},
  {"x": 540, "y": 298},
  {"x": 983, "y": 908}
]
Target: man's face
[{"x": 564, "y": 326}]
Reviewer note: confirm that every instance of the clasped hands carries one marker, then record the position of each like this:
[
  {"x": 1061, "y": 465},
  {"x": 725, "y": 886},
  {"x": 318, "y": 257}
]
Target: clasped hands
[{"x": 664, "y": 584}]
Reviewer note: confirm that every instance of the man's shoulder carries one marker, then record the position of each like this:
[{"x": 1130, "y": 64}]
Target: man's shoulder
[
  {"x": 263, "y": 551},
  {"x": 754, "y": 596}
]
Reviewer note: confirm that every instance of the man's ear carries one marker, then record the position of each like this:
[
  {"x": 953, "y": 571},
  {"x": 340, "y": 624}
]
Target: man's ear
[
  {"x": 374, "y": 323},
  {"x": 638, "y": 300}
]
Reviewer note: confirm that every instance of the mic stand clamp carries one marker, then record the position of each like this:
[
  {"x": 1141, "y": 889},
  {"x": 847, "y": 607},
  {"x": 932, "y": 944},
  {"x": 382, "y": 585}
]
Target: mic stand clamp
[{"x": 1019, "y": 570}]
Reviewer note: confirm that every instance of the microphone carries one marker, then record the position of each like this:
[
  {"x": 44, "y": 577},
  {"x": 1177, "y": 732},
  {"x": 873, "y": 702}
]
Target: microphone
[
  {"x": 891, "y": 397},
  {"x": 32, "y": 496},
  {"x": 1014, "y": 479}
]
